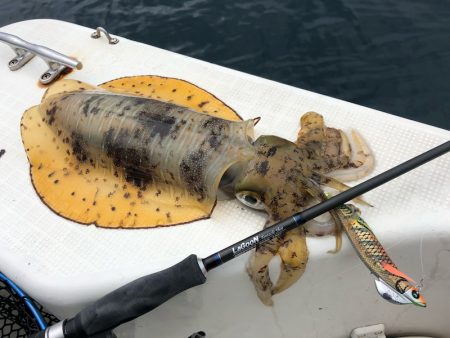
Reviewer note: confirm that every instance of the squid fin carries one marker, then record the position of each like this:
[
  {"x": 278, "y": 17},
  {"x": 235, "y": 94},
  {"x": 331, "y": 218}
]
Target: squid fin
[
  {"x": 66, "y": 86},
  {"x": 172, "y": 90}
]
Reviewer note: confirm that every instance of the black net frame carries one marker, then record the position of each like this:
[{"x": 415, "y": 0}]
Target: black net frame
[{"x": 16, "y": 321}]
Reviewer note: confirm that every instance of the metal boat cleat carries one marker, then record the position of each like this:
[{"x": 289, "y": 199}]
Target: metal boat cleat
[
  {"x": 97, "y": 34},
  {"x": 25, "y": 51}
]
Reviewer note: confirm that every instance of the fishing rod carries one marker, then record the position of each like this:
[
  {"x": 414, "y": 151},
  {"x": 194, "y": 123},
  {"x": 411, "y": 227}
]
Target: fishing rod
[{"x": 146, "y": 293}]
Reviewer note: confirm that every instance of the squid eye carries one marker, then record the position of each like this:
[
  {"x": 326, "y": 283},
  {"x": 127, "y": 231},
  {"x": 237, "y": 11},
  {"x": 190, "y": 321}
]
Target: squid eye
[
  {"x": 415, "y": 294},
  {"x": 250, "y": 199}
]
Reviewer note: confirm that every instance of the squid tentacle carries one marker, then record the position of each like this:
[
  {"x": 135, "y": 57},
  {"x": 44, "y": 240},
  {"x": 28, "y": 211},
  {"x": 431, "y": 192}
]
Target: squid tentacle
[
  {"x": 314, "y": 190},
  {"x": 258, "y": 268},
  {"x": 360, "y": 165},
  {"x": 294, "y": 256}
]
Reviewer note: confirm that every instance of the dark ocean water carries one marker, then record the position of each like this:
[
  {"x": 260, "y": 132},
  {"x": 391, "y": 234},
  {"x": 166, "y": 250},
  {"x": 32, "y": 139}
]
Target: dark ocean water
[{"x": 391, "y": 55}]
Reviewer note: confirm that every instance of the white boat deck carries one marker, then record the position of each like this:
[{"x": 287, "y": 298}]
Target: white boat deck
[{"x": 64, "y": 265}]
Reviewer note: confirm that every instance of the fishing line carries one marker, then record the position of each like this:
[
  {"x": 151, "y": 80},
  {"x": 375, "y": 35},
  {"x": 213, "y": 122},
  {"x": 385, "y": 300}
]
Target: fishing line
[{"x": 423, "y": 275}]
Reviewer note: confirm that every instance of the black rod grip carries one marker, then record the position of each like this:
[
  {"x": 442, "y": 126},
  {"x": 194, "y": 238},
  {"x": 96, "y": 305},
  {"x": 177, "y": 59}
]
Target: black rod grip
[{"x": 135, "y": 298}]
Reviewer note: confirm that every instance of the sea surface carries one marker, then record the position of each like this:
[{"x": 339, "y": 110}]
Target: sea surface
[{"x": 391, "y": 55}]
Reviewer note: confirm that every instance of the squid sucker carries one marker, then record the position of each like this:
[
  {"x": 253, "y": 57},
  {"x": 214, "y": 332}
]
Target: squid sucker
[{"x": 148, "y": 151}]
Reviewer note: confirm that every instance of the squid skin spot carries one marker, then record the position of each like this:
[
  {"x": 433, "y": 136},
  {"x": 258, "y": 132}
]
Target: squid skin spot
[
  {"x": 263, "y": 269},
  {"x": 73, "y": 193},
  {"x": 149, "y": 85},
  {"x": 174, "y": 90},
  {"x": 126, "y": 195},
  {"x": 139, "y": 194},
  {"x": 51, "y": 174},
  {"x": 122, "y": 84},
  {"x": 78, "y": 147},
  {"x": 201, "y": 104},
  {"x": 40, "y": 164},
  {"x": 189, "y": 97},
  {"x": 168, "y": 215},
  {"x": 158, "y": 192},
  {"x": 192, "y": 170},
  {"x": 94, "y": 203},
  {"x": 262, "y": 168},
  {"x": 133, "y": 86},
  {"x": 157, "y": 209},
  {"x": 51, "y": 113},
  {"x": 56, "y": 181},
  {"x": 113, "y": 208},
  {"x": 272, "y": 151}
]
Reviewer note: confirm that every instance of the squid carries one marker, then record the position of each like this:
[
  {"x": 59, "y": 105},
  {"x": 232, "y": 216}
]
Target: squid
[{"x": 150, "y": 151}]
